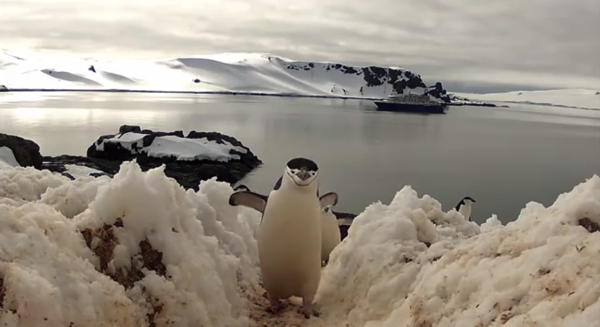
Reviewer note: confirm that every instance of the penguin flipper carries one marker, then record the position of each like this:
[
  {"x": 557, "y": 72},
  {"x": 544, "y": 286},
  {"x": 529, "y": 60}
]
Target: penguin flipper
[
  {"x": 249, "y": 199},
  {"x": 328, "y": 199}
]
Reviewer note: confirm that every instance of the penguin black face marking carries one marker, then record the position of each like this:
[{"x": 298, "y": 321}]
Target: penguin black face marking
[
  {"x": 302, "y": 171},
  {"x": 468, "y": 199}
]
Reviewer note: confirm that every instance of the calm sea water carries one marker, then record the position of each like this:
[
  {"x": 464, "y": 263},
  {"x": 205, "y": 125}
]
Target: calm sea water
[{"x": 502, "y": 157}]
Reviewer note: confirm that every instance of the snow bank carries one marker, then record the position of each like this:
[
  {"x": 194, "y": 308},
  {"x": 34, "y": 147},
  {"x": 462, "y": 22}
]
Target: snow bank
[
  {"x": 184, "y": 149},
  {"x": 138, "y": 248},
  {"x": 536, "y": 271},
  {"x": 251, "y": 73},
  {"x": 574, "y": 98}
]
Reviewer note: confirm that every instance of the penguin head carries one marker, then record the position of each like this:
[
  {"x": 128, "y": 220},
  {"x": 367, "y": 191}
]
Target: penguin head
[
  {"x": 302, "y": 171},
  {"x": 468, "y": 200}
]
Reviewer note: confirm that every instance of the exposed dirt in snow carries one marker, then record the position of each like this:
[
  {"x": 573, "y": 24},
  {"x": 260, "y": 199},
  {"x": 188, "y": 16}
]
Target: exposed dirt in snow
[
  {"x": 258, "y": 309},
  {"x": 102, "y": 242}
]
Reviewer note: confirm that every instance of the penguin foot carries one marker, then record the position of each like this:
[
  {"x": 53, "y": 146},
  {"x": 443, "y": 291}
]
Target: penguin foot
[
  {"x": 307, "y": 309},
  {"x": 276, "y": 305}
]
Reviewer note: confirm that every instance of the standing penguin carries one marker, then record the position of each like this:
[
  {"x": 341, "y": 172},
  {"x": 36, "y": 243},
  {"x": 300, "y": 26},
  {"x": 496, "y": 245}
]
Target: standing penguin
[
  {"x": 464, "y": 207},
  {"x": 289, "y": 237},
  {"x": 330, "y": 224},
  {"x": 330, "y": 233}
]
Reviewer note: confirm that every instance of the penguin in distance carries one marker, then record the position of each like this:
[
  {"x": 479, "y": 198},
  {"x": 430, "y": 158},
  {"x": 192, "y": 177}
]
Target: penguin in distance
[{"x": 465, "y": 207}]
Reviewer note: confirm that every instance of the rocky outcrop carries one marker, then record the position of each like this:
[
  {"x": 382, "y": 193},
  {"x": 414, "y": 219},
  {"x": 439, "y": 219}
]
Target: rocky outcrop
[
  {"x": 106, "y": 155},
  {"x": 25, "y": 151},
  {"x": 399, "y": 79},
  {"x": 230, "y": 164},
  {"x": 437, "y": 91}
]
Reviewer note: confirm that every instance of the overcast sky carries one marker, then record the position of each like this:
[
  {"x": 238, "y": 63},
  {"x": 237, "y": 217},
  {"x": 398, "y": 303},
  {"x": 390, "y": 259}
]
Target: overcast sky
[{"x": 477, "y": 45}]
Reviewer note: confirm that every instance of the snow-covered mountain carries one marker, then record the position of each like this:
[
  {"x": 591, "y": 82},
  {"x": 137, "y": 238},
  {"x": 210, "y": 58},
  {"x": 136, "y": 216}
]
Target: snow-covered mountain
[
  {"x": 251, "y": 73},
  {"x": 571, "y": 98}
]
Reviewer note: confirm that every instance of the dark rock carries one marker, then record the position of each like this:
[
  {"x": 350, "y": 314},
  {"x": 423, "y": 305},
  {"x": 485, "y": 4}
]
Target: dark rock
[
  {"x": 92, "y": 69},
  {"x": 129, "y": 128},
  {"x": 108, "y": 160},
  {"x": 187, "y": 173},
  {"x": 349, "y": 70},
  {"x": 399, "y": 79},
  {"x": 438, "y": 91},
  {"x": 196, "y": 80},
  {"x": 69, "y": 176},
  {"x": 26, "y": 151},
  {"x": 374, "y": 75},
  {"x": 590, "y": 225}
]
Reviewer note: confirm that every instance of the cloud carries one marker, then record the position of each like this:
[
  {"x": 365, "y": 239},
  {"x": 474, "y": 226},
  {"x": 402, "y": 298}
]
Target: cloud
[{"x": 535, "y": 43}]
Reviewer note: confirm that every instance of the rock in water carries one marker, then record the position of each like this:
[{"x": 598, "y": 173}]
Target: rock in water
[
  {"x": 26, "y": 151},
  {"x": 188, "y": 159}
]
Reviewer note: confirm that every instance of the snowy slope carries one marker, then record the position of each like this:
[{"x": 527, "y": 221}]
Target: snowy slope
[
  {"x": 575, "y": 98},
  {"x": 257, "y": 73},
  {"x": 180, "y": 258}
]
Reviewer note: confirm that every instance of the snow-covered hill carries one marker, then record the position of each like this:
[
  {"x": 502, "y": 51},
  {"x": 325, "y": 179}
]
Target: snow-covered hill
[
  {"x": 138, "y": 250},
  {"x": 253, "y": 73},
  {"x": 572, "y": 98}
]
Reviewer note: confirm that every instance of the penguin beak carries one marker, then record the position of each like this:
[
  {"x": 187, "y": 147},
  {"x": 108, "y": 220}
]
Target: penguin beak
[{"x": 303, "y": 174}]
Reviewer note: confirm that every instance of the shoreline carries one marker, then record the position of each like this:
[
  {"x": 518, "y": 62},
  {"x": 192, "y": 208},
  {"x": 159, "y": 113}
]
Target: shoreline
[{"x": 234, "y": 93}]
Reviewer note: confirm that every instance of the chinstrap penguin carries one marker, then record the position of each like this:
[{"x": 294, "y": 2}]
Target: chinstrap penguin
[
  {"x": 464, "y": 207},
  {"x": 330, "y": 228},
  {"x": 330, "y": 233},
  {"x": 289, "y": 237}
]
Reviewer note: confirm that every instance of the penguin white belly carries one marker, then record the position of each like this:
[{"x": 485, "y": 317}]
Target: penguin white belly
[
  {"x": 330, "y": 233},
  {"x": 465, "y": 210},
  {"x": 289, "y": 244}
]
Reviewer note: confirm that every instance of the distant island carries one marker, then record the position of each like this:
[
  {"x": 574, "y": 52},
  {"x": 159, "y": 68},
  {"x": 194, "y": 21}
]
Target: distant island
[
  {"x": 226, "y": 73},
  {"x": 254, "y": 74}
]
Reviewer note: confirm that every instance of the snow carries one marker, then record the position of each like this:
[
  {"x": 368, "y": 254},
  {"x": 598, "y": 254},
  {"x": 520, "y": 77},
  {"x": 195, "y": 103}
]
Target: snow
[
  {"x": 7, "y": 157},
  {"x": 184, "y": 149},
  {"x": 246, "y": 73},
  {"x": 574, "y": 98},
  {"x": 540, "y": 270}
]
